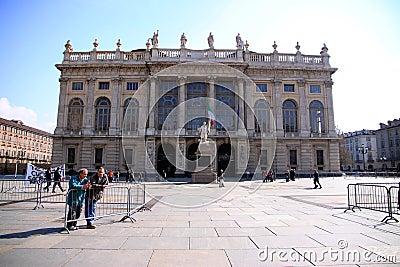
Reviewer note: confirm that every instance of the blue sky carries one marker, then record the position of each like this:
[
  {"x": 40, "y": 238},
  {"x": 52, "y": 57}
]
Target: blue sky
[{"x": 363, "y": 38}]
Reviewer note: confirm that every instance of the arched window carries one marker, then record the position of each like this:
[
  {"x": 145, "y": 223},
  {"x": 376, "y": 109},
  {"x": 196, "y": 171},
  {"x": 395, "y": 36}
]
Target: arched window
[
  {"x": 75, "y": 114},
  {"x": 102, "y": 116},
  {"x": 165, "y": 105},
  {"x": 289, "y": 110},
  {"x": 261, "y": 116},
  {"x": 225, "y": 108},
  {"x": 196, "y": 108},
  {"x": 131, "y": 114},
  {"x": 317, "y": 120}
]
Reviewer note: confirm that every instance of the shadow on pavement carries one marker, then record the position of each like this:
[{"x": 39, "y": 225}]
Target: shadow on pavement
[{"x": 42, "y": 231}]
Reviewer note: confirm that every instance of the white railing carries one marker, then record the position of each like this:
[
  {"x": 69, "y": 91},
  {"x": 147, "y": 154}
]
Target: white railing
[
  {"x": 257, "y": 57},
  {"x": 229, "y": 55},
  {"x": 79, "y": 56},
  {"x": 105, "y": 55},
  {"x": 134, "y": 56},
  {"x": 225, "y": 54},
  {"x": 169, "y": 53}
]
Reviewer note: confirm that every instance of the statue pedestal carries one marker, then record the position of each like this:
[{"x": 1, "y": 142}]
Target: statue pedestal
[{"x": 205, "y": 158}]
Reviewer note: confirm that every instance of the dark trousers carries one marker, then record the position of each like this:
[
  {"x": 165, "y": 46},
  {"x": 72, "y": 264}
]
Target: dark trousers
[
  {"x": 316, "y": 181},
  {"x": 74, "y": 212},
  {"x": 59, "y": 185},
  {"x": 47, "y": 186}
]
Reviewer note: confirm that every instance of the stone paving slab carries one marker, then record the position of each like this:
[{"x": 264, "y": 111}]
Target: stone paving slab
[
  {"x": 289, "y": 218},
  {"x": 193, "y": 258},
  {"x": 156, "y": 243}
]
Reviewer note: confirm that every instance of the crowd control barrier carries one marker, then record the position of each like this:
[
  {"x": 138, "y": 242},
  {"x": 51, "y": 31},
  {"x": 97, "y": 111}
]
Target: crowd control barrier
[
  {"x": 383, "y": 197},
  {"x": 116, "y": 200}
]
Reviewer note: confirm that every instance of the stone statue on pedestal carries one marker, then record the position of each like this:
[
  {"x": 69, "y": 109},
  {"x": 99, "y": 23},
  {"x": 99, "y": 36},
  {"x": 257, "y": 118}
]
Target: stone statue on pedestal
[{"x": 204, "y": 131}]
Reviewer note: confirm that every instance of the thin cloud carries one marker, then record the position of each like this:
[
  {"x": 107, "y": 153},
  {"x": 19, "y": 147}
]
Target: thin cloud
[{"x": 9, "y": 112}]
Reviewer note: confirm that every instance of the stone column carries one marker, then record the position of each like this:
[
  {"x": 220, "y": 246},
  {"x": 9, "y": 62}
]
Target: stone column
[
  {"x": 182, "y": 105},
  {"x": 150, "y": 156},
  {"x": 304, "y": 130},
  {"x": 248, "y": 95},
  {"x": 180, "y": 156},
  {"x": 277, "y": 99},
  {"x": 142, "y": 96},
  {"x": 211, "y": 82},
  {"x": 153, "y": 94},
  {"x": 330, "y": 122},
  {"x": 115, "y": 106},
  {"x": 88, "y": 126},
  {"x": 62, "y": 106},
  {"x": 241, "y": 103}
]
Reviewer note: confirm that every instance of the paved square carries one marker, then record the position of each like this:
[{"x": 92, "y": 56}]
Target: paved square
[{"x": 254, "y": 224}]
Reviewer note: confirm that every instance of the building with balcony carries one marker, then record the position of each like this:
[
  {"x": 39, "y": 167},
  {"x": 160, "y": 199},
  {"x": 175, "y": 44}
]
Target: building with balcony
[
  {"x": 388, "y": 145},
  {"x": 141, "y": 109},
  {"x": 362, "y": 148},
  {"x": 22, "y": 144}
]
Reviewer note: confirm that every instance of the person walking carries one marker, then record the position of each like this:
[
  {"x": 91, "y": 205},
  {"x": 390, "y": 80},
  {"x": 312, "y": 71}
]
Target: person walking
[
  {"x": 221, "y": 179},
  {"x": 316, "y": 180},
  {"x": 76, "y": 195},
  {"x": 47, "y": 176},
  {"x": 57, "y": 180},
  {"x": 292, "y": 174},
  {"x": 98, "y": 182}
]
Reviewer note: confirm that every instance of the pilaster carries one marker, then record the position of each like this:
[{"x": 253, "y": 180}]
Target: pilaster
[
  {"x": 62, "y": 106},
  {"x": 304, "y": 130}
]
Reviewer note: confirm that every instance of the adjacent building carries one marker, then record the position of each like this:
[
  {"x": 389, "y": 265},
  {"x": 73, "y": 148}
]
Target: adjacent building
[
  {"x": 141, "y": 109},
  {"x": 388, "y": 145},
  {"x": 362, "y": 148},
  {"x": 22, "y": 144}
]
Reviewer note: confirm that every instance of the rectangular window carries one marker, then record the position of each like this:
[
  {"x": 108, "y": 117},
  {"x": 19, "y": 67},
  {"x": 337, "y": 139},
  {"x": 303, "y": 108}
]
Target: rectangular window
[
  {"x": 71, "y": 155},
  {"x": 261, "y": 87},
  {"x": 129, "y": 156},
  {"x": 98, "y": 156},
  {"x": 77, "y": 86},
  {"x": 293, "y": 157},
  {"x": 288, "y": 88},
  {"x": 104, "y": 85},
  {"x": 132, "y": 86},
  {"x": 320, "y": 157},
  {"x": 315, "y": 89}
]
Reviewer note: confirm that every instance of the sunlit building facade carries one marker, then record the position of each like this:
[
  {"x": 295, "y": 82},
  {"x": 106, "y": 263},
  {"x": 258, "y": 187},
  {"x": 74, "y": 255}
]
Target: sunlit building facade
[{"x": 115, "y": 106}]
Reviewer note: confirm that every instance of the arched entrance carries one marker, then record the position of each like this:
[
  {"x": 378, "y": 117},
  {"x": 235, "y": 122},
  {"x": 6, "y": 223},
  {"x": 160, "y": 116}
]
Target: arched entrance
[
  {"x": 224, "y": 157},
  {"x": 163, "y": 163},
  {"x": 191, "y": 156}
]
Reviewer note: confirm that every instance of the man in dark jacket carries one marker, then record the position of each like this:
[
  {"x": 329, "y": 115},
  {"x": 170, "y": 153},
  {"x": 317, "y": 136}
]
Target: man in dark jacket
[
  {"x": 47, "y": 175},
  {"x": 57, "y": 180},
  {"x": 99, "y": 181},
  {"x": 76, "y": 195}
]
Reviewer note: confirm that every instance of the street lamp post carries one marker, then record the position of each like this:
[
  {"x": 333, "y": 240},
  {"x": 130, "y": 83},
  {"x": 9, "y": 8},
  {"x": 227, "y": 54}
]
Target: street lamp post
[
  {"x": 383, "y": 159},
  {"x": 363, "y": 150}
]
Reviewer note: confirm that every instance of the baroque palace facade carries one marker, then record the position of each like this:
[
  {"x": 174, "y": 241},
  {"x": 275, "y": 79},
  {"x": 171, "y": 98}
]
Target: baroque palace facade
[{"x": 141, "y": 109}]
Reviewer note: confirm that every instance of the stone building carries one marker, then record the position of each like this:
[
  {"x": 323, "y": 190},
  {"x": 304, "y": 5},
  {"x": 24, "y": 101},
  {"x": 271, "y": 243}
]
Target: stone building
[
  {"x": 388, "y": 144},
  {"x": 141, "y": 109},
  {"x": 21, "y": 144},
  {"x": 362, "y": 147}
]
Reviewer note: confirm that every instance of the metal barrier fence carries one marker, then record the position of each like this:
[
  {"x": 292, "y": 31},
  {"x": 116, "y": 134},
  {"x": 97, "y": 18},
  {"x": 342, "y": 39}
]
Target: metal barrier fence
[
  {"x": 383, "y": 197},
  {"x": 14, "y": 191},
  {"x": 116, "y": 200}
]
